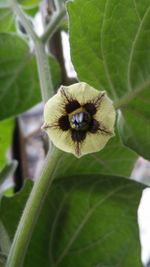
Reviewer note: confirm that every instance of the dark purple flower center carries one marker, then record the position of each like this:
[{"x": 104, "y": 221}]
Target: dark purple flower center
[{"x": 79, "y": 121}]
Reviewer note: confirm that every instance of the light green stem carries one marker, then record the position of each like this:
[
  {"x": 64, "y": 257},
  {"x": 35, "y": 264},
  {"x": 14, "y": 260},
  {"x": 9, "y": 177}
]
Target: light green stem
[
  {"x": 53, "y": 25},
  {"x": 44, "y": 71},
  {"x": 25, "y": 20},
  {"x": 58, "y": 4},
  {"x": 40, "y": 188},
  {"x": 32, "y": 210}
]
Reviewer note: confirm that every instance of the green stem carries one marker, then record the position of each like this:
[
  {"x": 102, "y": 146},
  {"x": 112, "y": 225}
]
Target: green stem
[
  {"x": 32, "y": 210},
  {"x": 53, "y": 25},
  {"x": 58, "y": 4},
  {"x": 25, "y": 20},
  {"x": 40, "y": 188},
  {"x": 44, "y": 71}
]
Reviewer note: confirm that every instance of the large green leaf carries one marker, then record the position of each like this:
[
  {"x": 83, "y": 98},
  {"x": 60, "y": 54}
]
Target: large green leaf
[
  {"x": 86, "y": 221},
  {"x": 25, "y": 3},
  {"x": 7, "y": 21},
  {"x": 135, "y": 125},
  {"x": 114, "y": 159},
  {"x": 19, "y": 82},
  {"x": 29, "y": 3},
  {"x": 110, "y": 44},
  {"x": 19, "y": 86},
  {"x": 6, "y": 132},
  {"x": 5, "y": 244},
  {"x": 18, "y": 201}
]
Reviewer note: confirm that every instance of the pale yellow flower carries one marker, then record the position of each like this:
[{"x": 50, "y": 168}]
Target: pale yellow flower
[{"x": 79, "y": 119}]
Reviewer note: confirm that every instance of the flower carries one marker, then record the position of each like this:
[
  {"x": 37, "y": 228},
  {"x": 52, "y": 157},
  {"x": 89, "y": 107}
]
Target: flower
[{"x": 79, "y": 119}]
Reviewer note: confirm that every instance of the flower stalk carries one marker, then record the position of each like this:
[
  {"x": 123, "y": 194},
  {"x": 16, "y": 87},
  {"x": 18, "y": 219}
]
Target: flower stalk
[
  {"x": 53, "y": 25},
  {"x": 32, "y": 210},
  {"x": 44, "y": 71},
  {"x": 41, "y": 186}
]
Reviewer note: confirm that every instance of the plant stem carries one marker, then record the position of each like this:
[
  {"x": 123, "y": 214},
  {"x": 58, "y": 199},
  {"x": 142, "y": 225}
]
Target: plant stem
[
  {"x": 32, "y": 210},
  {"x": 44, "y": 71},
  {"x": 58, "y": 4},
  {"x": 25, "y": 21},
  {"x": 53, "y": 25},
  {"x": 40, "y": 188}
]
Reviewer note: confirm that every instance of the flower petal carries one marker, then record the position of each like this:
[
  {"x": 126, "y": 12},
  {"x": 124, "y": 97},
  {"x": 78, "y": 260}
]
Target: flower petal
[
  {"x": 82, "y": 92},
  {"x": 106, "y": 114},
  {"x": 93, "y": 143},
  {"x": 54, "y": 109},
  {"x": 61, "y": 139}
]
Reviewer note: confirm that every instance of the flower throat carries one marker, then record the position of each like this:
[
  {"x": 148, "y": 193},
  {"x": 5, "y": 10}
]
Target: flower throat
[{"x": 80, "y": 119}]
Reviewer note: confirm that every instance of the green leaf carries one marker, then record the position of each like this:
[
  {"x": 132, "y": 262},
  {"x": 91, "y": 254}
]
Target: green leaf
[
  {"x": 86, "y": 221},
  {"x": 112, "y": 51},
  {"x": 4, "y": 243},
  {"x": 6, "y": 179},
  {"x": 19, "y": 87},
  {"x": 6, "y": 132},
  {"x": 25, "y": 3},
  {"x": 8, "y": 169},
  {"x": 114, "y": 159},
  {"x": 19, "y": 83},
  {"x": 7, "y": 20},
  {"x": 85, "y": 29},
  {"x": 7, "y": 230},
  {"x": 29, "y": 3},
  {"x": 110, "y": 44},
  {"x": 31, "y": 11},
  {"x": 17, "y": 204},
  {"x": 134, "y": 126}
]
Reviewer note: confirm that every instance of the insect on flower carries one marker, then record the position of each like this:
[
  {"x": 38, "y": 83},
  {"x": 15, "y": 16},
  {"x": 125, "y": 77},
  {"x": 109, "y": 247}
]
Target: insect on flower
[{"x": 79, "y": 119}]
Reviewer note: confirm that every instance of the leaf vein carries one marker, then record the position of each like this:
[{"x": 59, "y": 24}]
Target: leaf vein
[{"x": 129, "y": 86}]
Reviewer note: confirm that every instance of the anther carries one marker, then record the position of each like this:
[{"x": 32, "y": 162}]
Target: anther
[
  {"x": 81, "y": 117},
  {"x": 80, "y": 120}
]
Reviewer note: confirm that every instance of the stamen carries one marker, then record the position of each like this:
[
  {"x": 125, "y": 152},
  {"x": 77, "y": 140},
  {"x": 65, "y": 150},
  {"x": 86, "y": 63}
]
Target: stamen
[
  {"x": 80, "y": 120},
  {"x": 81, "y": 117},
  {"x": 73, "y": 118},
  {"x": 77, "y": 117}
]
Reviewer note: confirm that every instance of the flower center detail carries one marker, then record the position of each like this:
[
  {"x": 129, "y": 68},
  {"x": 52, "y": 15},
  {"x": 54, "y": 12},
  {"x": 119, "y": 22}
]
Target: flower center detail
[{"x": 80, "y": 120}]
